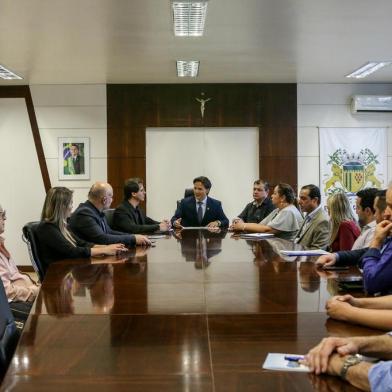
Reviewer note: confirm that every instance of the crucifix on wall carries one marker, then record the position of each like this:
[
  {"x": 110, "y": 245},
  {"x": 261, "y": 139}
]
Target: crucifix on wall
[{"x": 203, "y": 102}]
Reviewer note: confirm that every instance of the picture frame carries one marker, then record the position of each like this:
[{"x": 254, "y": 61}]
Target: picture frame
[{"x": 74, "y": 158}]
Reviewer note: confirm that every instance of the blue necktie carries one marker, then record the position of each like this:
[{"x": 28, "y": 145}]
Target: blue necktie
[{"x": 199, "y": 211}]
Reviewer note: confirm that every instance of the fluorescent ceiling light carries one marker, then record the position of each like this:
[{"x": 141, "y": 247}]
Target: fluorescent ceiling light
[
  {"x": 189, "y": 17},
  {"x": 7, "y": 74},
  {"x": 368, "y": 69},
  {"x": 187, "y": 68}
]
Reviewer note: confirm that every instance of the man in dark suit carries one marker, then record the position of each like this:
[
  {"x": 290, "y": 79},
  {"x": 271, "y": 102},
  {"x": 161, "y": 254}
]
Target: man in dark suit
[
  {"x": 129, "y": 217},
  {"x": 89, "y": 222},
  {"x": 75, "y": 163},
  {"x": 200, "y": 209}
]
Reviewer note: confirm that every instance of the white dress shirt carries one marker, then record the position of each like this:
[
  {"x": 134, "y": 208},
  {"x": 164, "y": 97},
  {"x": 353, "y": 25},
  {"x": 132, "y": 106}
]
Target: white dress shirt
[{"x": 366, "y": 236}]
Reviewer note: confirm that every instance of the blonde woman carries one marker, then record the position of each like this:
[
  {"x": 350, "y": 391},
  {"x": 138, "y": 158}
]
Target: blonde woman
[
  {"x": 55, "y": 241},
  {"x": 343, "y": 226},
  {"x": 284, "y": 221}
]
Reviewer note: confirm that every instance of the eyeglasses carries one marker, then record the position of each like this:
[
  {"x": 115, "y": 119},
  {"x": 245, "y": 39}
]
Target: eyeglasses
[{"x": 3, "y": 215}]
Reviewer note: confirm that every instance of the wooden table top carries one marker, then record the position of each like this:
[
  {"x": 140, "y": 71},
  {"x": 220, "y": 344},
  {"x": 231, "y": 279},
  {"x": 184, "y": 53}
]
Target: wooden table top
[{"x": 197, "y": 313}]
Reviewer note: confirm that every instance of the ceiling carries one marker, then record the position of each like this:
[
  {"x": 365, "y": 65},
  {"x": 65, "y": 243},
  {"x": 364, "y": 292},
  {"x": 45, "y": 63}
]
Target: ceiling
[{"x": 132, "y": 41}]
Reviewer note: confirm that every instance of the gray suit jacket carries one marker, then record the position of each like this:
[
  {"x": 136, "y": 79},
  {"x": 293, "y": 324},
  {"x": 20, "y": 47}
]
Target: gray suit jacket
[{"x": 316, "y": 235}]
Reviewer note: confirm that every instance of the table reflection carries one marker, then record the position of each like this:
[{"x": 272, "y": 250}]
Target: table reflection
[
  {"x": 92, "y": 282},
  {"x": 200, "y": 246}
]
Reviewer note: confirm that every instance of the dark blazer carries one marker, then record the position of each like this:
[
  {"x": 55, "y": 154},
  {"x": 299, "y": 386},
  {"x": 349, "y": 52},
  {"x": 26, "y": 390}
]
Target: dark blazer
[
  {"x": 125, "y": 218},
  {"x": 351, "y": 257},
  {"x": 90, "y": 224},
  {"x": 187, "y": 211}
]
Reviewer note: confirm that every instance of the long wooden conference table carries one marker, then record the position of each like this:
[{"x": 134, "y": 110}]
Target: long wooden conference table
[{"x": 197, "y": 312}]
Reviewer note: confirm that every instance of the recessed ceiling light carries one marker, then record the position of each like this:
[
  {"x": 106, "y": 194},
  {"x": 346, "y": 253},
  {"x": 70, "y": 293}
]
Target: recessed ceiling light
[
  {"x": 7, "y": 74},
  {"x": 189, "y": 17},
  {"x": 187, "y": 68},
  {"x": 367, "y": 69}
]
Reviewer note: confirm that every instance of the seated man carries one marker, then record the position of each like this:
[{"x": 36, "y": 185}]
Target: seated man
[
  {"x": 89, "y": 223},
  {"x": 337, "y": 357},
  {"x": 314, "y": 231},
  {"x": 353, "y": 257},
  {"x": 366, "y": 218},
  {"x": 20, "y": 289},
  {"x": 260, "y": 207},
  {"x": 377, "y": 261},
  {"x": 200, "y": 209},
  {"x": 128, "y": 216}
]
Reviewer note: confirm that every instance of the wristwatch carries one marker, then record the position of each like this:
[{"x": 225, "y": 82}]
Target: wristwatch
[{"x": 351, "y": 360}]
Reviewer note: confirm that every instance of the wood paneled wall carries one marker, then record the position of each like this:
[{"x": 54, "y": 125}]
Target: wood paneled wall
[{"x": 132, "y": 108}]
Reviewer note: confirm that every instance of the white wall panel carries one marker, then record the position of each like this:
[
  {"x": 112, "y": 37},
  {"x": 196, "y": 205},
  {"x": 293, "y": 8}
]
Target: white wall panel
[
  {"x": 71, "y": 117},
  {"x": 338, "y": 94},
  {"x": 308, "y": 170},
  {"x": 175, "y": 156},
  {"x": 22, "y": 188},
  {"x": 327, "y": 105},
  {"x": 339, "y": 116},
  {"x": 68, "y": 95},
  {"x": 308, "y": 141}
]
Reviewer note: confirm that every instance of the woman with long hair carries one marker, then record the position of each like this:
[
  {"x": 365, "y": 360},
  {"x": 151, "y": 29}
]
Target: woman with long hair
[
  {"x": 55, "y": 240},
  {"x": 284, "y": 221},
  {"x": 343, "y": 226}
]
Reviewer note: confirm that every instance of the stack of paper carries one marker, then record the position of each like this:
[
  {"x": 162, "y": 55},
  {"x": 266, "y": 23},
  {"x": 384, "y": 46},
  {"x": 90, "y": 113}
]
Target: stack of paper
[
  {"x": 312, "y": 252},
  {"x": 256, "y": 236},
  {"x": 277, "y": 361}
]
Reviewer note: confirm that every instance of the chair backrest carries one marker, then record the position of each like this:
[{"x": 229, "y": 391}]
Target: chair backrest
[
  {"x": 29, "y": 238},
  {"x": 188, "y": 192},
  {"x": 8, "y": 333},
  {"x": 109, "y": 216}
]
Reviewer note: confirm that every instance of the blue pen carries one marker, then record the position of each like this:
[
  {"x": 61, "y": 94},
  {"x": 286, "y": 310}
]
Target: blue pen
[{"x": 293, "y": 358}]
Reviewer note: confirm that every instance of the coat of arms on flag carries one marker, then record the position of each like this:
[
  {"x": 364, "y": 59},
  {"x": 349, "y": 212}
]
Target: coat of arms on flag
[
  {"x": 350, "y": 172},
  {"x": 352, "y": 159}
]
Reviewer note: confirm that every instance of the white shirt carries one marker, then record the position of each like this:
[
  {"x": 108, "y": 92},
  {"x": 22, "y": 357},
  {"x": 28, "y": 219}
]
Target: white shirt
[{"x": 366, "y": 236}]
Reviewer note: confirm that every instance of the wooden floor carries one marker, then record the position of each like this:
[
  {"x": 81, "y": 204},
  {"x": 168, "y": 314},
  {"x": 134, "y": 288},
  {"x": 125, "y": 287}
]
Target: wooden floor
[{"x": 196, "y": 313}]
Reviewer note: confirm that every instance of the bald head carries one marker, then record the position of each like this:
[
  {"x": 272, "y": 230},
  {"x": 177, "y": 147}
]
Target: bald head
[{"x": 101, "y": 195}]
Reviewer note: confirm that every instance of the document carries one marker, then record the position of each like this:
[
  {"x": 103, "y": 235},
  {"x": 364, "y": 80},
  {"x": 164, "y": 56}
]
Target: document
[
  {"x": 196, "y": 228},
  {"x": 277, "y": 361},
  {"x": 256, "y": 235},
  {"x": 312, "y": 252}
]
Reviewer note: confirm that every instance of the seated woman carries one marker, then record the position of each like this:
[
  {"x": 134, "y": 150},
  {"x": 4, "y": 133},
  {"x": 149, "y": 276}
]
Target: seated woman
[
  {"x": 20, "y": 289},
  {"x": 343, "y": 226},
  {"x": 55, "y": 241},
  {"x": 284, "y": 221},
  {"x": 374, "y": 312}
]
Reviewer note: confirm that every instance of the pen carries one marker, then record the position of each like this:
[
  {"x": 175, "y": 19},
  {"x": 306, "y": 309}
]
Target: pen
[{"x": 293, "y": 358}]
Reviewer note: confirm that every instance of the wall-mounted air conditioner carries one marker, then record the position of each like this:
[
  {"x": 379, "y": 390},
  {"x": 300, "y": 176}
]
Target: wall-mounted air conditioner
[{"x": 371, "y": 103}]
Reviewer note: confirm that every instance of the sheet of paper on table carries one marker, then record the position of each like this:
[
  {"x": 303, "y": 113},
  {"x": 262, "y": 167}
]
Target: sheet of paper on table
[{"x": 276, "y": 361}]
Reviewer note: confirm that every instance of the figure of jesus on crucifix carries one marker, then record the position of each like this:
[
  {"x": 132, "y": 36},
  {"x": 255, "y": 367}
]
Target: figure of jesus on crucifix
[{"x": 202, "y": 104}]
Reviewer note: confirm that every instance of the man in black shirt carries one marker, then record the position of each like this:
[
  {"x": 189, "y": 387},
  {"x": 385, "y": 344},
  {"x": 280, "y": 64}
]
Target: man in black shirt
[
  {"x": 260, "y": 207},
  {"x": 129, "y": 218}
]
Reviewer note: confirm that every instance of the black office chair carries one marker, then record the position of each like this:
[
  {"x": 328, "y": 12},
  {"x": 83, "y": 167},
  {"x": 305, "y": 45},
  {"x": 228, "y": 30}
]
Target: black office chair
[
  {"x": 188, "y": 192},
  {"x": 109, "y": 216},
  {"x": 8, "y": 332},
  {"x": 29, "y": 238}
]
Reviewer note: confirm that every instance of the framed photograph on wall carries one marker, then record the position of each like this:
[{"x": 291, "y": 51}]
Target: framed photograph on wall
[{"x": 74, "y": 158}]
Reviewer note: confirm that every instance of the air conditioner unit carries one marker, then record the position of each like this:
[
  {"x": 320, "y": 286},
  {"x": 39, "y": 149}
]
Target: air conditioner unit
[{"x": 371, "y": 103}]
